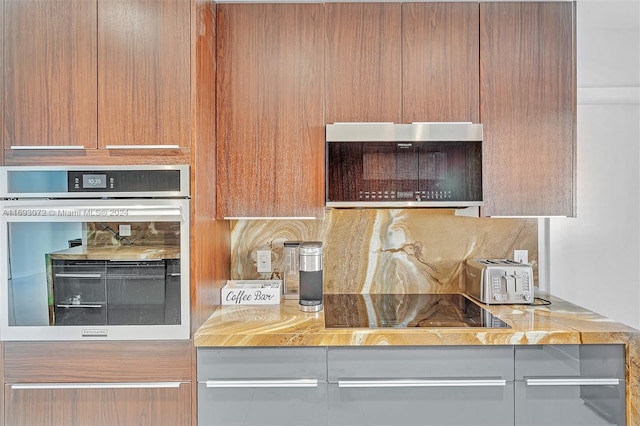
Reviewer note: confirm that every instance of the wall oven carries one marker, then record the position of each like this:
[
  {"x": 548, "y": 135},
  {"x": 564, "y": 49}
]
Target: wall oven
[{"x": 96, "y": 252}]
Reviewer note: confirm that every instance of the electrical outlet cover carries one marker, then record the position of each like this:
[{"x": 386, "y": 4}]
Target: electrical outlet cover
[
  {"x": 521, "y": 256},
  {"x": 263, "y": 260},
  {"x": 124, "y": 230}
]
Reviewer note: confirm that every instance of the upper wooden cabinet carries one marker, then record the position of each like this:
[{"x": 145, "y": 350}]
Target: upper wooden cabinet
[
  {"x": 270, "y": 129},
  {"x": 97, "y": 74},
  {"x": 527, "y": 74},
  {"x": 144, "y": 73},
  {"x": 50, "y": 70},
  {"x": 440, "y": 62},
  {"x": 363, "y": 55},
  {"x": 402, "y": 62}
]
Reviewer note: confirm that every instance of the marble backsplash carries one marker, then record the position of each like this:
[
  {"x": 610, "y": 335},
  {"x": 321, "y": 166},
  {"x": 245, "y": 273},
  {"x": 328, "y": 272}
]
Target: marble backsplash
[
  {"x": 386, "y": 250},
  {"x": 140, "y": 234}
]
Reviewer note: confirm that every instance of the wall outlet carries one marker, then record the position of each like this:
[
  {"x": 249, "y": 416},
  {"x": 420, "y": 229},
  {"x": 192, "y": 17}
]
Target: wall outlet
[
  {"x": 521, "y": 256},
  {"x": 124, "y": 230},
  {"x": 263, "y": 260}
]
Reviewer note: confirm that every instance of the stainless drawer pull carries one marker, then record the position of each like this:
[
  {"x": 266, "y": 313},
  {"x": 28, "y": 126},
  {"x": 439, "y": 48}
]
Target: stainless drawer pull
[
  {"x": 398, "y": 383},
  {"x": 78, "y": 305},
  {"x": 137, "y": 385},
  {"x": 142, "y": 146},
  {"x": 573, "y": 382},
  {"x": 175, "y": 274},
  {"x": 79, "y": 275},
  {"x": 269, "y": 383},
  {"x": 47, "y": 147}
]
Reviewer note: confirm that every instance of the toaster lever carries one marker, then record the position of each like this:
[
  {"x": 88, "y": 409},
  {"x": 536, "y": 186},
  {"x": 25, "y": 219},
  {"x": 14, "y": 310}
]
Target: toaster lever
[{"x": 510, "y": 285}]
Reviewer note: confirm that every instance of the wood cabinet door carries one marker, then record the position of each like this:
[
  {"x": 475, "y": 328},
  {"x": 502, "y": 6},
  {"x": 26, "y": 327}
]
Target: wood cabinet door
[
  {"x": 440, "y": 62},
  {"x": 144, "y": 73},
  {"x": 98, "y": 383},
  {"x": 270, "y": 129},
  {"x": 527, "y": 107},
  {"x": 92, "y": 405},
  {"x": 363, "y": 62},
  {"x": 50, "y": 68}
]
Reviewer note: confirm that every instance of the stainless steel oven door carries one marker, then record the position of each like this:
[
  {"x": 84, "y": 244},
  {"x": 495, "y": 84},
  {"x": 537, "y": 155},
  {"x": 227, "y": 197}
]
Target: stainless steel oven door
[{"x": 94, "y": 269}]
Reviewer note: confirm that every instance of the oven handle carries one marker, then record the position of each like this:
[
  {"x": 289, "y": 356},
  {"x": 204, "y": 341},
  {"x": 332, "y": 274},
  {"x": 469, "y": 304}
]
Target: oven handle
[
  {"x": 119, "y": 385},
  {"x": 399, "y": 383}
]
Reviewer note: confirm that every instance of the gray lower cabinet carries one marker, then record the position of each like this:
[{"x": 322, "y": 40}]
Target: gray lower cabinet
[
  {"x": 570, "y": 385},
  {"x": 262, "y": 386},
  {"x": 421, "y": 386},
  {"x": 578, "y": 385}
]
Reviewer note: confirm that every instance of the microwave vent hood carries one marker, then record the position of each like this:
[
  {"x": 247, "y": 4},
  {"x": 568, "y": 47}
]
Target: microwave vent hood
[
  {"x": 388, "y": 165},
  {"x": 414, "y": 132}
]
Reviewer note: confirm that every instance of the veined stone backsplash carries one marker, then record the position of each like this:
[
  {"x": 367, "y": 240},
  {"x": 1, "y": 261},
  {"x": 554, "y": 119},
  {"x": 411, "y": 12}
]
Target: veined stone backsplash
[
  {"x": 386, "y": 250},
  {"x": 142, "y": 234}
]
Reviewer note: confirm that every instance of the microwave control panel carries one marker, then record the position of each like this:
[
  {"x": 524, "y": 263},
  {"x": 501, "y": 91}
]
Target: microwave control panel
[{"x": 405, "y": 195}]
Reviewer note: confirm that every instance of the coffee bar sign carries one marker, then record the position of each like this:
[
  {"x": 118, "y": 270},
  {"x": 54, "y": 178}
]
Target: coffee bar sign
[{"x": 252, "y": 292}]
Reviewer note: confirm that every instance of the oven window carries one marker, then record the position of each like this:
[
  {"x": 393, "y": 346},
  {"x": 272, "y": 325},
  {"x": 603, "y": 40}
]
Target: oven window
[{"x": 93, "y": 273}]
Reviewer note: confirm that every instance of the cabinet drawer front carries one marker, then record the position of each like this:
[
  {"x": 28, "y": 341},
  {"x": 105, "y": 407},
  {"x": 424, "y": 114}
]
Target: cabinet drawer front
[
  {"x": 420, "y": 363},
  {"x": 564, "y": 361},
  {"x": 279, "y": 406},
  {"x": 262, "y": 363},
  {"x": 473, "y": 406},
  {"x": 158, "y": 404},
  {"x": 565, "y": 404}
]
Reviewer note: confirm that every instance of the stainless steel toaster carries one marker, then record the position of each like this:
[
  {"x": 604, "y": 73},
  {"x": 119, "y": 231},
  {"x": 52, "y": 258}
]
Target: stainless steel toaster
[{"x": 499, "y": 281}]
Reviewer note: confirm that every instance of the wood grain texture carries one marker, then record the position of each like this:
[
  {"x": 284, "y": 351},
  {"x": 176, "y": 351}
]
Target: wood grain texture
[
  {"x": 210, "y": 238},
  {"x": 144, "y": 72},
  {"x": 528, "y": 85},
  {"x": 363, "y": 62},
  {"x": 270, "y": 128},
  {"x": 1, "y": 109},
  {"x": 440, "y": 62},
  {"x": 99, "y": 407},
  {"x": 50, "y": 73},
  {"x": 113, "y": 361},
  {"x": 97, "y": 156}
]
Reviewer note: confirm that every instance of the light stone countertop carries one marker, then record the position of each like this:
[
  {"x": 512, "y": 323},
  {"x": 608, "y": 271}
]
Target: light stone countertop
[
  {"x": 559, "y": 323},
  {"x": 130, "y": 252}
]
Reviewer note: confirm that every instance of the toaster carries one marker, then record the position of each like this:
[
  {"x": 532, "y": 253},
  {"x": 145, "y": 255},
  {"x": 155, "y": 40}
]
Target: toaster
[{"x": 499, "y": 281}]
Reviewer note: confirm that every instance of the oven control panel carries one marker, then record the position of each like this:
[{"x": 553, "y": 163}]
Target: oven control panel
[{"x": 123, "y": 180}]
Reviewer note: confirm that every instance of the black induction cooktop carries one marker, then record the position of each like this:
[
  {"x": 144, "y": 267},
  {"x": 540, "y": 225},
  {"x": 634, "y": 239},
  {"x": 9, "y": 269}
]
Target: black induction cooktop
[{"x": 406, "y": 311}]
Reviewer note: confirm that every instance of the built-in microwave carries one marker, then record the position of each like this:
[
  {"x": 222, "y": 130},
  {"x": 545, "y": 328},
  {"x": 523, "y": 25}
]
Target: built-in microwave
[{"x": 403, "y": 165}]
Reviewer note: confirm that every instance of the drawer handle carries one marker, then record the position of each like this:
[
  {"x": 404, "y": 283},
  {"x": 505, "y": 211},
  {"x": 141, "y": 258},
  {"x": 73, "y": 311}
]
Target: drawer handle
[
  {"x": 47, "y": 147},
  {"x": 397, "y": 383},
  {"x": 142, "y": 146},
  {"x": 78, "y": 305},
  {"x": 271, "y": 383},
  {"x": 573, "y": 382},
  {"x": 79, "y": 275},
  {"x": 140, "y": 385}
]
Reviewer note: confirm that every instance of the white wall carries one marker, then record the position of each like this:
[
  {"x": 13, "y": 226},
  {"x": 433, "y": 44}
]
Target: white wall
[{"x": 594, "y": 259}]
